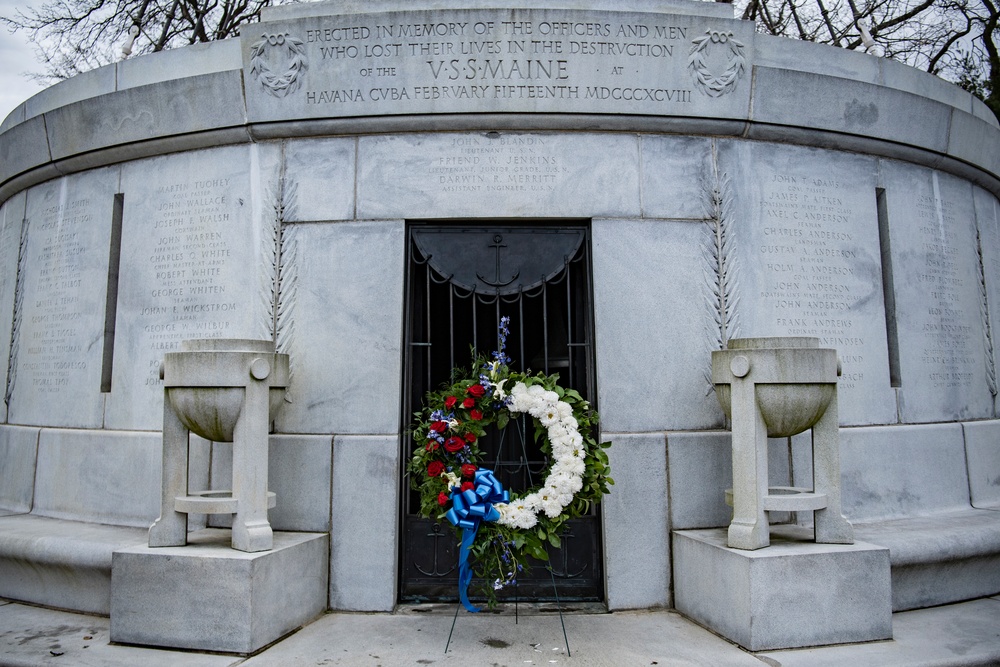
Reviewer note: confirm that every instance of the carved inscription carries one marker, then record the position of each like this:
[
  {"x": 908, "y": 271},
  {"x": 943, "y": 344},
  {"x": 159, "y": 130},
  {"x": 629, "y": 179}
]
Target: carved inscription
[
  {"x": 575, "y": 60},
  {"x": 495, "y": 59},
  {"x": 57, "y": 327},
  {"x": 812, "y": 279},
  {"x": 190, "y": 267},
  {"x": 949, "y": 350},
  {"x": 497, "y": 164}
]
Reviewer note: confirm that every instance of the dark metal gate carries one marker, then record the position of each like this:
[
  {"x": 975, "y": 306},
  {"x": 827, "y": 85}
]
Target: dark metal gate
[{"x": 460, "y": 281}]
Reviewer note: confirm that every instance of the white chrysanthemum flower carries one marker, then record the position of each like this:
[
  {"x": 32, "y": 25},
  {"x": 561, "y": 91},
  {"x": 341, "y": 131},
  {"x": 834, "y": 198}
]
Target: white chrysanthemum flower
[
  {"x": 550, "y": 397},
  {"x": 552, "y": 503},
  {"x": 561, "y": 450},
  {"x": 526, "y": 520},
  {"x": 536, "y": 390},
  {"x": 565, "y": 410},
  {"x": 570, "y": 423},
  {"x": 558, "y": 431},
  {"x": 518, "y": 514},
  {"x": 549, "y": 417},
  {"x": 521, "y": 400},
  {"x": 569, "y": 465}
]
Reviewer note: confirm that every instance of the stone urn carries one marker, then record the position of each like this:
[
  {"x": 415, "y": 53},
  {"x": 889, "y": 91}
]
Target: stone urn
[
  {"x": 211, "y": 410},
  {"x": 778, "y": 387},
  {"x": 225, "y": 390}
]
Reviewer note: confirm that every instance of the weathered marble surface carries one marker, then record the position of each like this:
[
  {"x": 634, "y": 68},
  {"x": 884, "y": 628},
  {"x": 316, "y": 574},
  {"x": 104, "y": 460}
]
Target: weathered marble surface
[
  {"x": 982, "y": 451},
  {"x": 940, "y": 296},
  {"x": 320, "y": 180},
  {"x": 345, "y": 347},
  {"x": 18, "y": 453},
  {"x": 363, "y": 550},
  {"x": 652, "y": 324},
  {"x": 803, "y": 260},
  {"x": 700, "y": 469},
  {"x": 497, "y": 173},
  {"x": 891, "y": 472},
  {"x": 636, "y": 535},
  {"x": 108, "y": 477},
  {"x": 299, "y": 469},
  {"x": 58, "y": 343},
  {"x": 196, "y": 244},
  {"x": 207, "y": 596},
  {"x": 793, "y": 594}
]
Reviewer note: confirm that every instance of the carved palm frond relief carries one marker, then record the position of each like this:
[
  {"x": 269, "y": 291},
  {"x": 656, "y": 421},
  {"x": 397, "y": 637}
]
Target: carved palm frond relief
[
  {"x": 279, "y": 277},
  {"x": 984, "y": 312},
  {"x": 15, "y": 330},
  {"x": 721, "y": 268}
]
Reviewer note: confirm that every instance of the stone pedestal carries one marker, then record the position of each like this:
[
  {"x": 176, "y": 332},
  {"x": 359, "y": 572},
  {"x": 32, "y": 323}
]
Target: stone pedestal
[
  {"x": 209, "y": 597},
  {"x": 795, "y": 593}
]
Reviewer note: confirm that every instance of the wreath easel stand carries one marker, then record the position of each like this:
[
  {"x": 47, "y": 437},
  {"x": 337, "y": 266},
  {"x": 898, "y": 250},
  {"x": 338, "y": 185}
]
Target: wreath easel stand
[{"x": 555, "y": 590}]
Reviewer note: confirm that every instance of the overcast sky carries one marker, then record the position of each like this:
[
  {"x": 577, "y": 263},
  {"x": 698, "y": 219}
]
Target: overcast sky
[{"x": 16, "y": 57}]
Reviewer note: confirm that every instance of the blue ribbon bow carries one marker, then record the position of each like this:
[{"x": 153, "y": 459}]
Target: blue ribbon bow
[{"x": 468, "y": 509}]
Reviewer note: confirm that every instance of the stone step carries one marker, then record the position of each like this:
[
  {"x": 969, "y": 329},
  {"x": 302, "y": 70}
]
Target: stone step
[
  {"x": 939, "y": 558},
  {"x": 61, "y": 563}
]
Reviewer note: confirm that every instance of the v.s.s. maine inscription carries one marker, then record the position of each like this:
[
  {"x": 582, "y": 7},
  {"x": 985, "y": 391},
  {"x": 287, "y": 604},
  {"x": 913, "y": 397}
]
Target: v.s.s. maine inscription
[{"x": 481, "y": 60}]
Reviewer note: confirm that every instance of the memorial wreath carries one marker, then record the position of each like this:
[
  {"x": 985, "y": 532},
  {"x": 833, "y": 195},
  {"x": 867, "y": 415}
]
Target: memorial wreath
[{"x": 499, "y": 530}]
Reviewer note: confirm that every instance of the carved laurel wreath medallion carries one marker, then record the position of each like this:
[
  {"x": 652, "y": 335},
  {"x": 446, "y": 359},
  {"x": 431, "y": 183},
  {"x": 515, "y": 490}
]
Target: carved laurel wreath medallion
[
  {"x": 710, "y": 83},
  {"x": 272, "y": 49}
]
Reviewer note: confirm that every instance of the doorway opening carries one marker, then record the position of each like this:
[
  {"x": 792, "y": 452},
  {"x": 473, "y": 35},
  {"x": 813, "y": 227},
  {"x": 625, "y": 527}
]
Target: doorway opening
[{"x": 461, "y": 280}]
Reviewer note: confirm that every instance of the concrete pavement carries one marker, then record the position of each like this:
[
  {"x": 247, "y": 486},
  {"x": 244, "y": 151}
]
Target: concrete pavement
[{"x": 967, "y": 633}]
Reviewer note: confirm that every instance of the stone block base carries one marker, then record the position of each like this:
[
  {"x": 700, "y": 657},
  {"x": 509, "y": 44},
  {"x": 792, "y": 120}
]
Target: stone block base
[
  {"x": 210, "y": 597},
  {"x": 794, "y": 593}
]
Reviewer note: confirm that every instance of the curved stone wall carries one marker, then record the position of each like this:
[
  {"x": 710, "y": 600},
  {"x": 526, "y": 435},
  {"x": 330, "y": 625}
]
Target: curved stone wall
[{"x": 858, "y": 199}]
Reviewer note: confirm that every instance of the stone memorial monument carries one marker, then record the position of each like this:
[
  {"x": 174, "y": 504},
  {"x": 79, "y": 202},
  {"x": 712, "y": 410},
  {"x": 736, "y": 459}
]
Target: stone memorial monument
[{"x": 371, "y": 186}]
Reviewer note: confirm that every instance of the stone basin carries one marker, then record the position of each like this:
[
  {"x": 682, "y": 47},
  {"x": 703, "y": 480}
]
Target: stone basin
[
  {"x": 795, "y": 380},
  {"x": 205, "y": 382}
]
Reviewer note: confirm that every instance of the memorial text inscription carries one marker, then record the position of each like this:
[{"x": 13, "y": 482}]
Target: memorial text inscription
[
  {"x": 814, "y": 278},
  {"x": 469, "y": 60}
]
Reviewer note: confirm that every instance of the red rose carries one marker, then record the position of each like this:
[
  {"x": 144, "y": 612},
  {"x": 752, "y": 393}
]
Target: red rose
[
  {"x": 470, "y": 438},
  {"x": 454, "y": 444},
  {"x": 477, "y": 390},
  {"x": 431, "y": 445},
  {"x": 468, "y": 403},
  {"x": 476, "y": 415},
  {"x": 439, "y": 427},
  {"x": 450, "y": 402},
  {"x": 467, "y": 486},
  {"x": 442, "y": 499},
  {"x": 435, "y": 468},
  {"x": 468, "y": 470}
]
